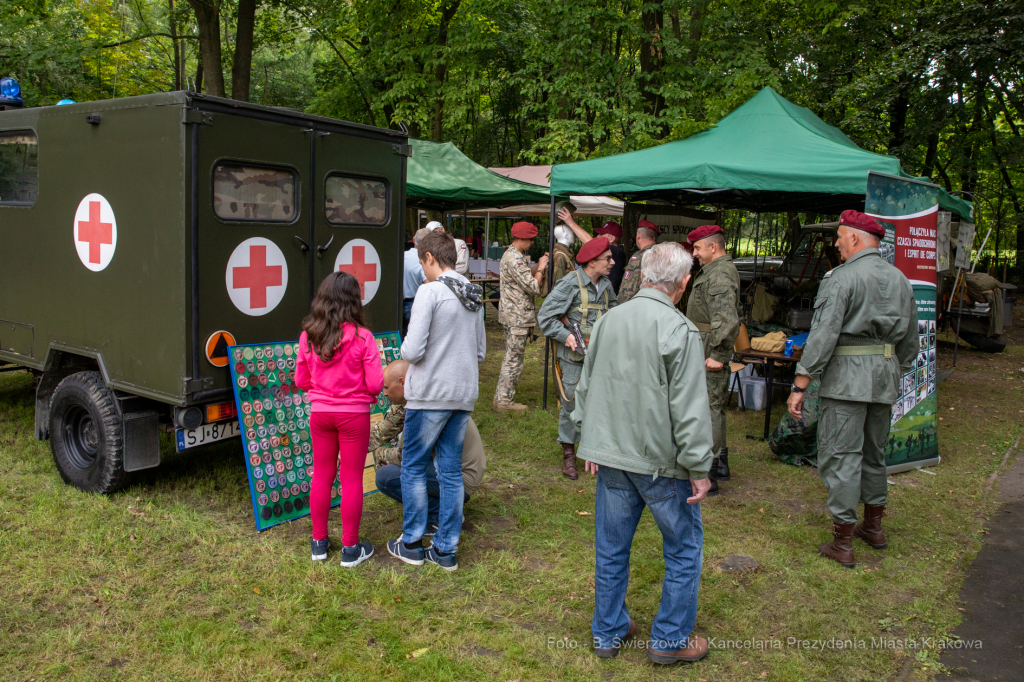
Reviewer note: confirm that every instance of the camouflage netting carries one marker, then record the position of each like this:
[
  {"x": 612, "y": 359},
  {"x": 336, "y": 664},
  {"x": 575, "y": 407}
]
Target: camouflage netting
[{"x": 796, "y": 442}]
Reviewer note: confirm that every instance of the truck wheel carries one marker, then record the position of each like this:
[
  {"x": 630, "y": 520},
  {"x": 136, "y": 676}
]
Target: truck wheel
[
  {"x": 85, "y": 434},
  {"x": 984, "y": 343}
]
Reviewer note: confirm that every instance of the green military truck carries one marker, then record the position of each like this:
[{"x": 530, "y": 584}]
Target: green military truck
[{"x": 142, "y": 236}]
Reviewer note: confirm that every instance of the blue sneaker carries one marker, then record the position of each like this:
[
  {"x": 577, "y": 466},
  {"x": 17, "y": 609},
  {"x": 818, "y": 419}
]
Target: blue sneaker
[
  {"x": 319, "y": 548},
  {"x": 397, "y": 549},
  {"x": 353, "y": 556},
  {"x": 447, "y": 561}
]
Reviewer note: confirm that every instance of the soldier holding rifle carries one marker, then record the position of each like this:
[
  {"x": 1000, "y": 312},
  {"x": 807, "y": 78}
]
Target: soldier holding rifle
[{"x": 581, "y": 298}]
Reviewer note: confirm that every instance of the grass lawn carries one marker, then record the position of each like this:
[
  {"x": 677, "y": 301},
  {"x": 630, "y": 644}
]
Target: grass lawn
[{"x": 169, "y": 580}]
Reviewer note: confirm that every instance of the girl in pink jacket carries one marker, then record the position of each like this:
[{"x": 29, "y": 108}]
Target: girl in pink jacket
[{"x": 339, "y": 367}]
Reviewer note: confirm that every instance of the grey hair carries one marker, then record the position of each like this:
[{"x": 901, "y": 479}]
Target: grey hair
[
  {"x": 564, "y": 236},
  {"x": 420, "y": 234},
  {"x": 665, "y": 266},
  {"x": 646, "y": 233}
]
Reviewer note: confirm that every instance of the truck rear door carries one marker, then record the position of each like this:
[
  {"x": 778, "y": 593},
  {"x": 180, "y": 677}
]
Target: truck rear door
[
  {"x": 253, "y": 199},
  {"x": 357, "y": 220}
]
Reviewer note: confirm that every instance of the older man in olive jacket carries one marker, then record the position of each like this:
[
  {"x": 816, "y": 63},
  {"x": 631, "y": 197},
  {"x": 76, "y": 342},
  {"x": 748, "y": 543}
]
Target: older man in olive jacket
[{"x": 648, "y": 355}]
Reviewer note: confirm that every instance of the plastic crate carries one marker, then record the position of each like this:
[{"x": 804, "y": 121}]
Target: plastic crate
[{"x": 755, "y": 394}]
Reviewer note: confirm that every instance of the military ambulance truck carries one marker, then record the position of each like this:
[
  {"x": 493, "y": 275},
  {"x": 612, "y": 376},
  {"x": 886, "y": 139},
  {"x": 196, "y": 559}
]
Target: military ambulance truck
[{"x": 142, "y": 236}]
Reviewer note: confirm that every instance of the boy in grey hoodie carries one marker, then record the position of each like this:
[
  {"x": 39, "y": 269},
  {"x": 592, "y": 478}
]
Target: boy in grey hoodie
[{"x": 444, "y": 346}]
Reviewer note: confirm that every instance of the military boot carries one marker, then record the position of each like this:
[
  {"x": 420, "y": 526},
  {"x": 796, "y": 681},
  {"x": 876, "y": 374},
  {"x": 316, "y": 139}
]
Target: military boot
[
  {"x": 841, "y": 547},
  {"x": 713, "y": 477},
  {"x": 723, "y": 465},
  {"x": 871, "y": 530},
  {"x": 569, "y": 461}
]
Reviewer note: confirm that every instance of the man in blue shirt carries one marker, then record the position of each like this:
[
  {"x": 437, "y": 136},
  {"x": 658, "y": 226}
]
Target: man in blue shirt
[{"x": 414, "y": 277}]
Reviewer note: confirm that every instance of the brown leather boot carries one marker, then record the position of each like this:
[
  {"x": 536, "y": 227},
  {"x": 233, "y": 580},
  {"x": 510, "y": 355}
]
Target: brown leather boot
[
  {"x": 569, "y": 461},
  {"x": 696, "y": 649},
  {"x": 841, "y": 547},
  {"x": 871, "y": 530}
]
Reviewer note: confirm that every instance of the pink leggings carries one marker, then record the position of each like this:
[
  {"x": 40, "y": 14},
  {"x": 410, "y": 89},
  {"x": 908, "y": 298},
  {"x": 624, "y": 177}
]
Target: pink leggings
[{"x": 348, "y": 432}]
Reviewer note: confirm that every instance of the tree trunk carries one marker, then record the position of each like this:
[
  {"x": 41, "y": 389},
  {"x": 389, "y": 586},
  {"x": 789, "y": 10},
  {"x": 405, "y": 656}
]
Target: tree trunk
[
  {"x": 241, "y": 71},
  {"x": 441, "y": 71},
  {"x": 898, "y": 109},
  {"x": 930, "y": 155},
  {"x": 208, "y": 21},
  {"x": 652, "y": 58},
  {"x": 172, "y": 27}
]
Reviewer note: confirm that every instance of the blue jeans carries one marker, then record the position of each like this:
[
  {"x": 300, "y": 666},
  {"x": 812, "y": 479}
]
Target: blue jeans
[
  {"x": 406, "y": 314},
  {"x": 621, "y": 498},
  {"x": 443, "y": 433},
  {"x": 389, "y": 482}
]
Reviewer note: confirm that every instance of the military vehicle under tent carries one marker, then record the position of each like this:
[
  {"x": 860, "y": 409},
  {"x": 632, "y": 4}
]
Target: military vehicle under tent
[{"x": 143, "y": 236}]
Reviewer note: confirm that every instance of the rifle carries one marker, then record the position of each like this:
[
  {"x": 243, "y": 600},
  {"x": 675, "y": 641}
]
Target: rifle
[{"x": 574, "y": 329}]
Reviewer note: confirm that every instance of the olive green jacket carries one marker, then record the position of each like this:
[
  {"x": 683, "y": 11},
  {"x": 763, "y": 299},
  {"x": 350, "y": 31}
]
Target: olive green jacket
[
  {"x": 863, "y": 302},
  {"x": 715, "y": 301},
  {"x": 642, "y": 401},
  {"x": 564, "y": 299}
]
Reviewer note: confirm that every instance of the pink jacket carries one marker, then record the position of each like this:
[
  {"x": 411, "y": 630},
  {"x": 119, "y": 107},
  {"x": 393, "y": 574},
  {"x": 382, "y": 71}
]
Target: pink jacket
[{"x": 350, "y": 382}]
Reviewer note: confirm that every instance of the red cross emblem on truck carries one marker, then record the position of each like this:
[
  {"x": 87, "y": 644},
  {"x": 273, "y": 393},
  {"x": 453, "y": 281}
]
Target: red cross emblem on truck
[
  {"x": 257, "y": 276},
  {"x": 94, "y": 229},
  {"x": 359, "y": 259}
]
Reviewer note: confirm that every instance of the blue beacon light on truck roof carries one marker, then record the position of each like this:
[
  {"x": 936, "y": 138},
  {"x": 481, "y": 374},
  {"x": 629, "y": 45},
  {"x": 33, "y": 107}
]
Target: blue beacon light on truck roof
[{"x": 10, "y": 92}]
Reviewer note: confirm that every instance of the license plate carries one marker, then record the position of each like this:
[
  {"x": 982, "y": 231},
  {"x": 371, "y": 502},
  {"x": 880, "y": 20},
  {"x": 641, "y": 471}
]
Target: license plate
[{"x": 207, "y": 433}]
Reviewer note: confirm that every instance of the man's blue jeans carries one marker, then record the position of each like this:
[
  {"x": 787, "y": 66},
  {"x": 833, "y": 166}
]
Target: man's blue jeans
[
  {"x": 443, "y": 433},
  {"x": 621, "y": 498},
  {"x": 389, "y": 482}
]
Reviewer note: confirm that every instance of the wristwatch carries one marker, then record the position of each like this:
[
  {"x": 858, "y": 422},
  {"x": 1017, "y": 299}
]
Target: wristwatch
[{"x": 796, "y": 389}]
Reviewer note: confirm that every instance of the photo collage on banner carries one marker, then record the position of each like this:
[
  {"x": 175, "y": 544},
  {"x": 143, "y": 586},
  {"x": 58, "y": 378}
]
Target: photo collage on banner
[
  {"x": 909, "y": 211},
  {"x": 274, "y": 413}
]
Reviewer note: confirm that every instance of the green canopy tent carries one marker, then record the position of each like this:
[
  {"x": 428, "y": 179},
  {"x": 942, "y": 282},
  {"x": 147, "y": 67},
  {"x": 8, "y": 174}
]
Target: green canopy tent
[
  {"x": 769, "y": 155},
  {"x": 441, "y": 178}
]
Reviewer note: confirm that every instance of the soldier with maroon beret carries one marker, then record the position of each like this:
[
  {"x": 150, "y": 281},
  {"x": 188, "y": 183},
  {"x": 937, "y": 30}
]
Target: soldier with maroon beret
[
  {"x": 863, "y": 338},
  {"x": 714, "y": 308},
  {"x": 647, "y": 234},
  {"x": 581, "y": 297},
  {"x": 517, "y": 313}
]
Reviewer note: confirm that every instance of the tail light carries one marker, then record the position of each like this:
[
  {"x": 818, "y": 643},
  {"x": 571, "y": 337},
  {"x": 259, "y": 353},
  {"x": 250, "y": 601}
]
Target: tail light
[{"x": 220, "y": 412}]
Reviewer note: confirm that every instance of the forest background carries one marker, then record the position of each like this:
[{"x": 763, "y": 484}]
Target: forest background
[{"x": 934, "y": 82}]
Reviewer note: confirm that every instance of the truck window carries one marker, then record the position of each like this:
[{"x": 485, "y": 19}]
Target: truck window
[
  {"x": 19, "y": 168},
  {"x": 352, "y": 200},
  {"x": 254, "y": 193}
]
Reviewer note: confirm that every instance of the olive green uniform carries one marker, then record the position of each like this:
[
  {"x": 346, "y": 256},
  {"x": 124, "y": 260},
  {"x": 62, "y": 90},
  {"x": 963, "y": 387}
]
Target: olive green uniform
[
  {"x": 714, "y": 308},
  {"x": 631, "y": 277},
  {"x": 863, "y": 337},
  {"x": 517, "y": 313},
  {"x": 583, "y": 302},
  {"x": 563, "y": 262}
]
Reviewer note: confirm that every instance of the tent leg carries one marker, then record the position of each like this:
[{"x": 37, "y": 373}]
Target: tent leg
[
  {"x": 487, "y": 243},
  {"x": 757, "y": 239},
  {"x": 465, "y": 222},
  {"x": 551, "y": 273}
]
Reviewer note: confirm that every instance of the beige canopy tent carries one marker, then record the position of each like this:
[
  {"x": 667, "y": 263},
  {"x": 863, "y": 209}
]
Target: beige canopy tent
[{"x": 538, "y": 175}]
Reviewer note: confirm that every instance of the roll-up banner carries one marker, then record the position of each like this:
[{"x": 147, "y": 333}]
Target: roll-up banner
[{"x": 909, "y": 211}]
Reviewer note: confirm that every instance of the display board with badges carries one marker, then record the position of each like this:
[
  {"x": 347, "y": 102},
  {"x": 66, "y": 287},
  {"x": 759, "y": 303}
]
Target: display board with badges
[{"x": 273, "y": 414}]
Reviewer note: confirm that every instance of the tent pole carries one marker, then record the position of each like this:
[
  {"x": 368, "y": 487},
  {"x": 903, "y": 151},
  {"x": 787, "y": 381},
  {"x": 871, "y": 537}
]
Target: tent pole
[
  {"x": 487, "y": 243},
  {"x": 465, "y": 222},
  {"x": 757, "y": 237},
  {"x": 551, "y": 273}
]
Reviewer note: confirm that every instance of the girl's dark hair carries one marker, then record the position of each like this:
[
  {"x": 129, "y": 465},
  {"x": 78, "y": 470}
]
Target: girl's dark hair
[{"x": 337, "y": 301}]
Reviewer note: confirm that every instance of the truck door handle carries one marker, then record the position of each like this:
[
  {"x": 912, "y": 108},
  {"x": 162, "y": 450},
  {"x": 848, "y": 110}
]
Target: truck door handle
[
  {"x": 305, "y": 246},
  {"x": 320, "y": 249}
]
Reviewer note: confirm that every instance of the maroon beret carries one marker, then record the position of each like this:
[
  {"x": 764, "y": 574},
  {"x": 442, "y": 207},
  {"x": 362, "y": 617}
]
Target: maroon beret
[
  {"x": 650, "y": 226},
  {"x": 862, "y": 221},
  {"x": 524, "y": 230},
  {"x": 703, "y": 232},
  {"x": 592, "y": 249},
  {"x": 610, "y": 227}
]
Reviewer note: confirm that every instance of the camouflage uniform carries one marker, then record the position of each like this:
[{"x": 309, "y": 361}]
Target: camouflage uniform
[
  {"x": 714, "y": 308},
  {"x": 384, "y": 433},
  {"x": 631, "y": 278},
  {"x": 567, "y": 299},
  {"x": 517, "y": 313}
]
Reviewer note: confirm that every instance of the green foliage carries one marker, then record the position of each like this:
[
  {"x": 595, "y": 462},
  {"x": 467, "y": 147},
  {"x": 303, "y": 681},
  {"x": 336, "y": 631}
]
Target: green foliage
[{"x": 532, "y": 81}]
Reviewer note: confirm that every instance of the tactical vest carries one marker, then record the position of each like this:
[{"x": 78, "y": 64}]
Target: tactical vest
[{"x": 585, "y": 306}]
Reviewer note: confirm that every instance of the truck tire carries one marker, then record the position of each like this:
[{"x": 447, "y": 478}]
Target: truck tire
[
  {"x": 984, "y": 343},
  {"x": 85, "y": 434}
]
